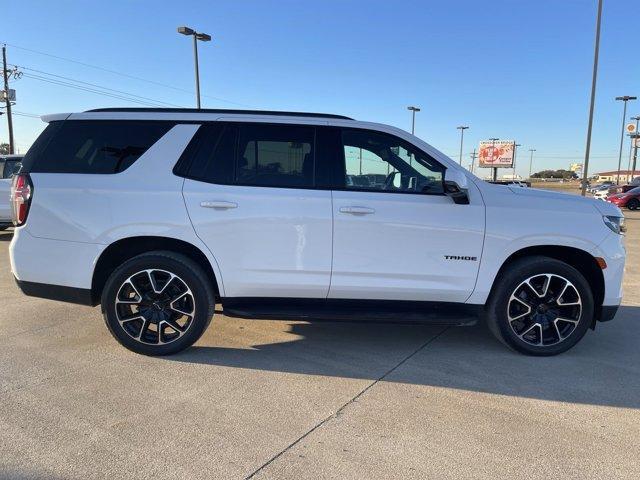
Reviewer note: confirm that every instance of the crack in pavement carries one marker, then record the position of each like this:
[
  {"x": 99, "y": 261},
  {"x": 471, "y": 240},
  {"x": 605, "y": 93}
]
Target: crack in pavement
[{"x": 340, "y": 410}]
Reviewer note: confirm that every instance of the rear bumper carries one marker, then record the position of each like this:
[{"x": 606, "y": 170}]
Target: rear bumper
[
  {"x": 53, "y": 262},
  {"x": 81, "y": 296}
]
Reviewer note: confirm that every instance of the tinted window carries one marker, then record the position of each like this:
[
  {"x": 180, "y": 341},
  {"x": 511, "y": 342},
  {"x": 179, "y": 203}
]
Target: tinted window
[
  {"x": 377, "y": 161},
  {"x": 94, "y": 146},
  {"x": 11, "y": 167},
  {"x": 275, "y": 155},
  {"x": 214, "y": 158}
]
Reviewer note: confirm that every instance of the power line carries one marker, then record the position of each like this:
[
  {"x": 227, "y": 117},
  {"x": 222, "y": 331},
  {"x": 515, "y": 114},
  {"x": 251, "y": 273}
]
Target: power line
[
  {"x": 92, "y": 90},
  {"x": 97, "y": 86},
  {"x": 126, "y": 75},
  {"x": 25, "y": 114}
]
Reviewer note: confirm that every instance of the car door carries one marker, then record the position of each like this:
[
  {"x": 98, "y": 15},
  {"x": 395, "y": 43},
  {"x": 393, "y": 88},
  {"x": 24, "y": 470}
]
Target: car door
[
  {"x": 397, "y": 236},
  {"x": 5, "y": 188},
  {"x": 252, "y": 201}
]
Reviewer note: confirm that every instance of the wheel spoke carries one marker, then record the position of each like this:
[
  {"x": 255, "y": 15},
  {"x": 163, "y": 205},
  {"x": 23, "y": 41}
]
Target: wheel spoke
[
  {"x": 564, "y": 290},
  {"x": 522, "y": 302},
  {"x": 530, "y": 329},
  {"x": 129, "y": 301},
  {"x": 130, "y": 318},
  {"x": 173, "y": 324},
  {"x": 144, "y": 328}
]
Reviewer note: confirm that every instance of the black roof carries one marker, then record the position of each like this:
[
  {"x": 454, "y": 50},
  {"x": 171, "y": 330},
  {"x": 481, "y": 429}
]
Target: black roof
[{"x": 215, "y": 110}]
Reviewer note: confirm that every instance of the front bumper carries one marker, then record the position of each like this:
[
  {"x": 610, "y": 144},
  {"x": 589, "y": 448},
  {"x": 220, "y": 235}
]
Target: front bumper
[{"x": 607, "y": 312}]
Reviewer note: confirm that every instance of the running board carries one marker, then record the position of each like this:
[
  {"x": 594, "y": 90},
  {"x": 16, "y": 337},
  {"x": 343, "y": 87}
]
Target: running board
[{"x": 313, "y": 309}]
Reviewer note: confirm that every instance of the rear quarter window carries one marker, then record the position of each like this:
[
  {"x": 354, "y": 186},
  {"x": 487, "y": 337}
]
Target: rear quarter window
[{"x": 93, "y": 146}]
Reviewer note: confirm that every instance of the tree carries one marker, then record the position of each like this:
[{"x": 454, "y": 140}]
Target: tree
[
  {"x": 564, "y": 174},
  {"x": 4, "y": 148}
]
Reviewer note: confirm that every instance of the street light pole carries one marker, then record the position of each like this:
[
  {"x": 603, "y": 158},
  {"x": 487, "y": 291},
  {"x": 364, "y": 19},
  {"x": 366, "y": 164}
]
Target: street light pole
[
  {"x": 197, "y": 69},
  {"x": 413, "y": 118},
  {"x": 594, "y": 77},
  {"x": 624, "y": 99},
  {"x": 203, "y": 37},
  {"x": 531, "y": 161},
  {"x": 462, "y": 128}
]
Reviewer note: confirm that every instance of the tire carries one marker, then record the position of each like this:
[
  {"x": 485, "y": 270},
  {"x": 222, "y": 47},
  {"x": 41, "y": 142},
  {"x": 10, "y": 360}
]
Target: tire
[
  {"x": 158, "y": 303},
  {"x": 555, "y": 322},
  {"x": 633, "y": 204}
]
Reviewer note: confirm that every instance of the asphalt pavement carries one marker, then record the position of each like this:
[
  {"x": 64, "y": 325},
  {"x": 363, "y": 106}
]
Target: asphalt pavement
[{"x": 283, "y": 399}]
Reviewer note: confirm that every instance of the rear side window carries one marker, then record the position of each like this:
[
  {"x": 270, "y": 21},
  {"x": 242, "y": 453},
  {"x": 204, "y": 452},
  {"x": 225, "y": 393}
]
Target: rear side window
[{"x": 100, "y": 147}]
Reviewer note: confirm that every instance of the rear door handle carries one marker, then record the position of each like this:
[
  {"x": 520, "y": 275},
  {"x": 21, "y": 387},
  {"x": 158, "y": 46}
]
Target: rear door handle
[
  {"x": 357, "y": 210},
  {"x": 219, "y": 205}
]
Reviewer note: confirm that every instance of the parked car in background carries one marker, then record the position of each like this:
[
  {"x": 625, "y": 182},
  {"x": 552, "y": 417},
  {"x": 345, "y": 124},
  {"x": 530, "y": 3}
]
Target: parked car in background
[
  {"x": 9, "y": 165},
  {"x": 599, "y": 188},
  {"x": 630, "y": 199},
  {"x": 602, "y": 194},
  {"x": 159, "y": 214}
]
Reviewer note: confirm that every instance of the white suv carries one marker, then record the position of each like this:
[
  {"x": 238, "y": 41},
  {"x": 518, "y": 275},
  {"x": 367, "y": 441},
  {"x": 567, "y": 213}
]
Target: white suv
[{"x": 157, "y": 214}]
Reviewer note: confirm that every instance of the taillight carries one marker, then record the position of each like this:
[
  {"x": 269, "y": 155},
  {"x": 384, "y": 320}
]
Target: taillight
[{"x": 21, "y": 192}]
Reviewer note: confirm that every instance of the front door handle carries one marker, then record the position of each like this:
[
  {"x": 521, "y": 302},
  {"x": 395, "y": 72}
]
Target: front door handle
[
  {"x": 219, "y": 205},
  {"x": 357, "y": 210}
]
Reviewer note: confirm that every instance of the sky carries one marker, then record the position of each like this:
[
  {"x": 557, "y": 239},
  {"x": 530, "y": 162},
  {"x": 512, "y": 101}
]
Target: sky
[{"x": 511, "y": 69}]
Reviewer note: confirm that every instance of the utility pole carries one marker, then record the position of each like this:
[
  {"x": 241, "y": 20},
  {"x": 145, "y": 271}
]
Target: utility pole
[
  {"x": 6, "y": 97},
  {"x": 594, "y": 77},
  {"x": 473, "y": 159},
  {"x": 515, "y": 145},
  {"x": 462, "y": 128},
  {"x": 531, "y": 161},
  {"x": 624, "y": 99}
]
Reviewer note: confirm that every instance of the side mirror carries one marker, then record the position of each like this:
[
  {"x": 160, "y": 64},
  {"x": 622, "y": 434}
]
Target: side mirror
[{"x": 456, "y": 185}]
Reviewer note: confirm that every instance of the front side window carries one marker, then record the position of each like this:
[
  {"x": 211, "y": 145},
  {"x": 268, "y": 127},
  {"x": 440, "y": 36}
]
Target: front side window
[
  {"x": 275, "y": 156},
  {"x": 380, "y": 162}
]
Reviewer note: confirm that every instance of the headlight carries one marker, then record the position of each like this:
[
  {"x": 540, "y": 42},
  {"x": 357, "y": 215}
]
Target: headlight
[{"x": 615, "y": 223}]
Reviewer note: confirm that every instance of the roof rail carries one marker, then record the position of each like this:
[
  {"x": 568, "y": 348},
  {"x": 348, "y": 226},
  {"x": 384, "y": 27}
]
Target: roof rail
[{"x": 215, "y": 110}]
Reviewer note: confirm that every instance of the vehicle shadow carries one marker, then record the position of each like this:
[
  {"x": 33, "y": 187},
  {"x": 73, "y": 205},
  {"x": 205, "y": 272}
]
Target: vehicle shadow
[
  {"x": 603, "y": 369},
  {"x": 6, "y": 235}
]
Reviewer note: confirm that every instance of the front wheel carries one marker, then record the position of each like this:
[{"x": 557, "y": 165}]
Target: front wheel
[
  {"x": 633, "y": 204},
  {"x": 158, "y": 303},
  {"x": 540, "y": 306}
]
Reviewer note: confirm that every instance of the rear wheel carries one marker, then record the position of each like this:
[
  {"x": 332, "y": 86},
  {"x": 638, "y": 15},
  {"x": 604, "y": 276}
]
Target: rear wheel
[
  {"x": 540, "y": 306},
  {"x": 158, "y": 303},
  {"x": 633, "y": 204}
]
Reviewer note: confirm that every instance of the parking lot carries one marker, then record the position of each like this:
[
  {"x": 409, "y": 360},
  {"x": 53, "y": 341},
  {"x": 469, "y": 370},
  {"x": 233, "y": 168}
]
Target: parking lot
[{"x": 282, "y": 399}]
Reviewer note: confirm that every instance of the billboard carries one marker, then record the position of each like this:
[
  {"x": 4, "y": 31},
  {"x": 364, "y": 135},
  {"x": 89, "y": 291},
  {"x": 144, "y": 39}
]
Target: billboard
[
  {"x": 576, "y": 168},
  {"x": 496, "y": 154}
]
